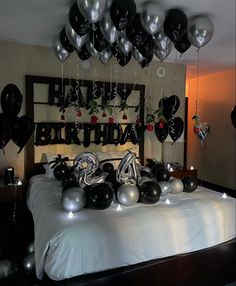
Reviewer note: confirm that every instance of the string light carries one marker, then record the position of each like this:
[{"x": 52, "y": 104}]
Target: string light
[
  {"x": 167, "y": 201},
  {"x": 191, "y": 168},
  {"x": 70, "y": 215},
  {"x": 119, "y": 208},
  {"x": 224, "y": 196}
]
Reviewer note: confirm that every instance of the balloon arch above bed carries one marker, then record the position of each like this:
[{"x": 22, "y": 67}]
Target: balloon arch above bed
[{"x": 102, "y": 29}]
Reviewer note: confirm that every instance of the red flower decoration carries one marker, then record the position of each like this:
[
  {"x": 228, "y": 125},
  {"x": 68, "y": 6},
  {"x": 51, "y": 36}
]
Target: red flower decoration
[
  {"x": 78, "y": 113},
  {"x": 161, "y": 125},
  {"x": 111, "y": 119},
  {"x": 149, "y": 127},
  {"x": 94, "y": 119}
]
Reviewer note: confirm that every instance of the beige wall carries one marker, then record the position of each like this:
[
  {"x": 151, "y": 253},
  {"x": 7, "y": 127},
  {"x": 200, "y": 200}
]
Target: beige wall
[
  {"x": 216, "y": 160},
  {"x": 17, "y": 60}
]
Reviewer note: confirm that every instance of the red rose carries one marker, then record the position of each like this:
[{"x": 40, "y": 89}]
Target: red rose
[
  {"x": 149, "y": 127},
  {"x": 111, "y": 119},
  {"x": 94, "y": 119},
  {"x": 79, "y": 113},
  {"x": 161, "y": 124}
]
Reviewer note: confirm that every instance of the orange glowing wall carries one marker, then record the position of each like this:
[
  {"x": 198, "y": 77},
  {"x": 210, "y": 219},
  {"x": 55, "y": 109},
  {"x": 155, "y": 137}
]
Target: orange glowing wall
[{"x": 216, "y": 160}]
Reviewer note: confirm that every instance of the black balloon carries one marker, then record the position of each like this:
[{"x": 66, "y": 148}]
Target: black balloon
[
  {"x": 150, "y": 192},
  {"x": 59, "y": 171},
  {"x": 122, "y": 59},
  {"x": 22, "y": 131},
  {"x": 111, "y": 179},
  {"x": 11, "y": 100},
  {"x": 190, "y": 184},
  {"x": 5, "y": 130},
  {"x": 169, "y": 105},
  {"x": 233, "y": 116},
  {"x": 83, "y": 53},
  {"x": 144, "y": 173},
  {"x": 183, "y": 44},
  {"x": 68, "y": 181},
  {"x": 108, "y": 167},
  {"x": 162, "y": 175},
  {"x": 122, "y": 13},
  {"x": 175, "y": 24},
  {"x": 156, "y": 167},
  {"x": 65, "y": 41},
  {"x": 81, "y": 25},
  {"x": 176, "y": 128},
  {"x": 161, "y": 130},
  {"x": 100, "y": 196},
  {"x": 97, "y": 39}
]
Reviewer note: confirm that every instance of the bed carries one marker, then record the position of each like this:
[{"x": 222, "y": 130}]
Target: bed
[{"x": 106, "y": 247}]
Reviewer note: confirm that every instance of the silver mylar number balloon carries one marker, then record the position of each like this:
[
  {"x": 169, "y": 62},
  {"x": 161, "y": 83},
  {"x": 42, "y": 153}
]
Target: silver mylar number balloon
[
  {"x": 177, "y": 186},
  {"x": 86, "y": 163},
  {"x": 7, "y": 268},
  {"x": 200, "y": 30},
  {"x": 29, "y": 263},
  {"x": 58, "y": 49},
  {"x": 144, "y": 179},
  {"x": 90, "y": 47},
  {"x": 124, "y": 43},
  {"x": 76, "y": 40},
  {"x": 109, "y": 31},
  {"x": 165, "y": 188},
  {"x": 105, "y": 55},
  {"x": 73, "y": 199},
  {"x": 128, "y": 194},
  {"x": 92, "y": 10},
  {"x": 152, "y": 17},
  {"x": 127, "y": 171}
]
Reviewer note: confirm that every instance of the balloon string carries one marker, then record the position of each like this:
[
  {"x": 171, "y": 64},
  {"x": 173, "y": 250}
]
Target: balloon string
[
  {"x": 62, "y": 85},
  {"x": 198, "y": 52}
]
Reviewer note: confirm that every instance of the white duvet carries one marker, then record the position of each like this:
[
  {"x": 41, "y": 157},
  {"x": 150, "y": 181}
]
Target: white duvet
[{"x": 97, "y": 240}]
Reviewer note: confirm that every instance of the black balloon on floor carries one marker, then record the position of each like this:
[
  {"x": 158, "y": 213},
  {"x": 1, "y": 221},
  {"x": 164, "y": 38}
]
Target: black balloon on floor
[
  {"x": 190, "y": 184},
  {"x": 100, "y": 196},
  {"x": 150, "y": 192}
]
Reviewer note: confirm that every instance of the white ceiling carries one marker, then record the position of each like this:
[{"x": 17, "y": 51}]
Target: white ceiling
[{"x": 38, "y": 22}]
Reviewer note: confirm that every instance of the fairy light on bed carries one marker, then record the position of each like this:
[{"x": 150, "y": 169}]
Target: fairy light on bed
[
  {"x": 167, "y": 202},
  {"x": 70, "y": 214},
  {"x": 224, "y": 196}
]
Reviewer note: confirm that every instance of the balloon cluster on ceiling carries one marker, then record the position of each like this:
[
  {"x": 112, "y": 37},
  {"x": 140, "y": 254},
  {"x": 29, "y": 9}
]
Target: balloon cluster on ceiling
[
  {"x": 88, "y": 184},
  {"x": 98, "y": 29}
]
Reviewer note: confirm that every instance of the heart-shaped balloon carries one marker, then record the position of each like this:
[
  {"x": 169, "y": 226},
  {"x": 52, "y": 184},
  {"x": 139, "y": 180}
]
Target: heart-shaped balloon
[
  {"x": 22, "y": 131},
  {"x": 176, "y": 127},
  {"x": 11, "y": 100},
  {"x": 169, "y": 106},
  {"x": 161, "y": 130},
  {"x": 233, "y": 116},
  {"x": 201, "y": 129},
  {"x": 5, "y": 130}
]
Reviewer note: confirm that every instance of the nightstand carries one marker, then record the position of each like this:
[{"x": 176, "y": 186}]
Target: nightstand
[
  {"x": 180, "y": 174},
  {"x": 12, "y": 213}
]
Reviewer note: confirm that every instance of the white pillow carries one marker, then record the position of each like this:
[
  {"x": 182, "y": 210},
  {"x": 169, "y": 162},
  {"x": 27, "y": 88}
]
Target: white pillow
[{"x": 49, "y": 171}]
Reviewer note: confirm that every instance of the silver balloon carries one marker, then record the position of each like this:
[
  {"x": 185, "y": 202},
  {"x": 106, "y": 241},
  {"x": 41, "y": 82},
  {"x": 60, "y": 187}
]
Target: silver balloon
[
  {"x": 126, "y": 171},
  {"x": 128, "y": 194},
  {"x": 161, "y": 41},
  {"x": 30, "y": 247},
  {"x": 90, "y": 47},
  {"x": 73, "y": 199},
  {"x": 92, "y": 10},
  {"x": 124, "y": 43},
  {"x": 177, "y": 186},
  {"x": 29, "y": 263},
  {"x": 91, "y": 179},
  {"x": 137, "y": 55},
  {"x": 165, "y": 188},
  {"x": 76, "y": 40},
  {"x": 162, "y": 54},
  {"x": 152, "y": 17},
  {"x": 105, "y": 55},
  {"x": 109, "y": 31},
  {"x": 7, "y": 268},
  {"x": 144, "y": 179},
  {"x": 58, "y": 49},
  {"x": 86, "y": 163},
  {"x": 200, "y": 30}
]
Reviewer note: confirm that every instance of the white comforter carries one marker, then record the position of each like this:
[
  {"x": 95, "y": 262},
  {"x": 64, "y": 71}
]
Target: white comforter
[{"x": 96, "y": 240}]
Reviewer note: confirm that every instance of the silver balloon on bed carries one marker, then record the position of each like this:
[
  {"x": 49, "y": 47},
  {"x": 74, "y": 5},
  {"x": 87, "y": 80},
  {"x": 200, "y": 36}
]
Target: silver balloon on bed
[{"x": 73, "y": 199}]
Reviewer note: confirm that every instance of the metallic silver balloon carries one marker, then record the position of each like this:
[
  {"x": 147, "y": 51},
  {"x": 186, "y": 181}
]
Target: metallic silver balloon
[
  {"x": 162, "y": 54},
  {"x": 165, "y": 188},
  {"x": 86, "y": 163},
  {"x": 152, "y": 17},
  {"x": 161, "y": 41},
  {"x": 124, "y": 43},
  {"x": 30, "y": 247},
  {"x": 144, "y": 179},
  {"x": 58, "y": 49},
  {"x": 92, "y": 10},
  {"x": 137, "y": 55},
  {"x": 29, "y": 263},
  {"x": 76, "y": 40},
  {"x": 200, "y": 30},
  {"x": 105, "y": 55},
  {"x": 109, "y": 31},
  {"x": 91, "y": 179},
  {"x": 177, "y": 186},
  {"x": 73, "y": 199},
  {"x": 128, "y": 194},
  {"x": 126, "y": 170},
  {"x": 7, "y": 268},
  {"x": 90, "y": 47}
]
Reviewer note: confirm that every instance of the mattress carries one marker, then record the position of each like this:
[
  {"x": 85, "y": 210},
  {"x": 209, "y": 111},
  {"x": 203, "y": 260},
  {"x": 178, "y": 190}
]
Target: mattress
[{"x": 98, "y": 240}]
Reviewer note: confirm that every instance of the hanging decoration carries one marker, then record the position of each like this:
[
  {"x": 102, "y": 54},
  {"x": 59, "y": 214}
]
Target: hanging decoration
[
  {"x": 95, "y": 28},
  {"x": 200, "y": 129}
]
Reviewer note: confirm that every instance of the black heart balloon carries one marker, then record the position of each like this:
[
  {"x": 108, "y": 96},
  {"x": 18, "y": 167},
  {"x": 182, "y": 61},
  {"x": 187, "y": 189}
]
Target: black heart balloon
[
  {"x": 161, "y": 130},
  {"x": 83, "y": 53},
  {"x": 11, "y": 100},
  {"x": 5, "y": 130},
  {"x": 169, "y": 105},
  {"x": 22, "y": 131},
  {"x": 122, "y": 59},
  {"x": 176, "y": 127},
  {"x": 233, "y": 116}
]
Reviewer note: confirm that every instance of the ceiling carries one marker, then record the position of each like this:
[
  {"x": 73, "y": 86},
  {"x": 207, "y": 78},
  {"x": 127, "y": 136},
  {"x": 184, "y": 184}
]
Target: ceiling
[{"x": 38, "y": 22}]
